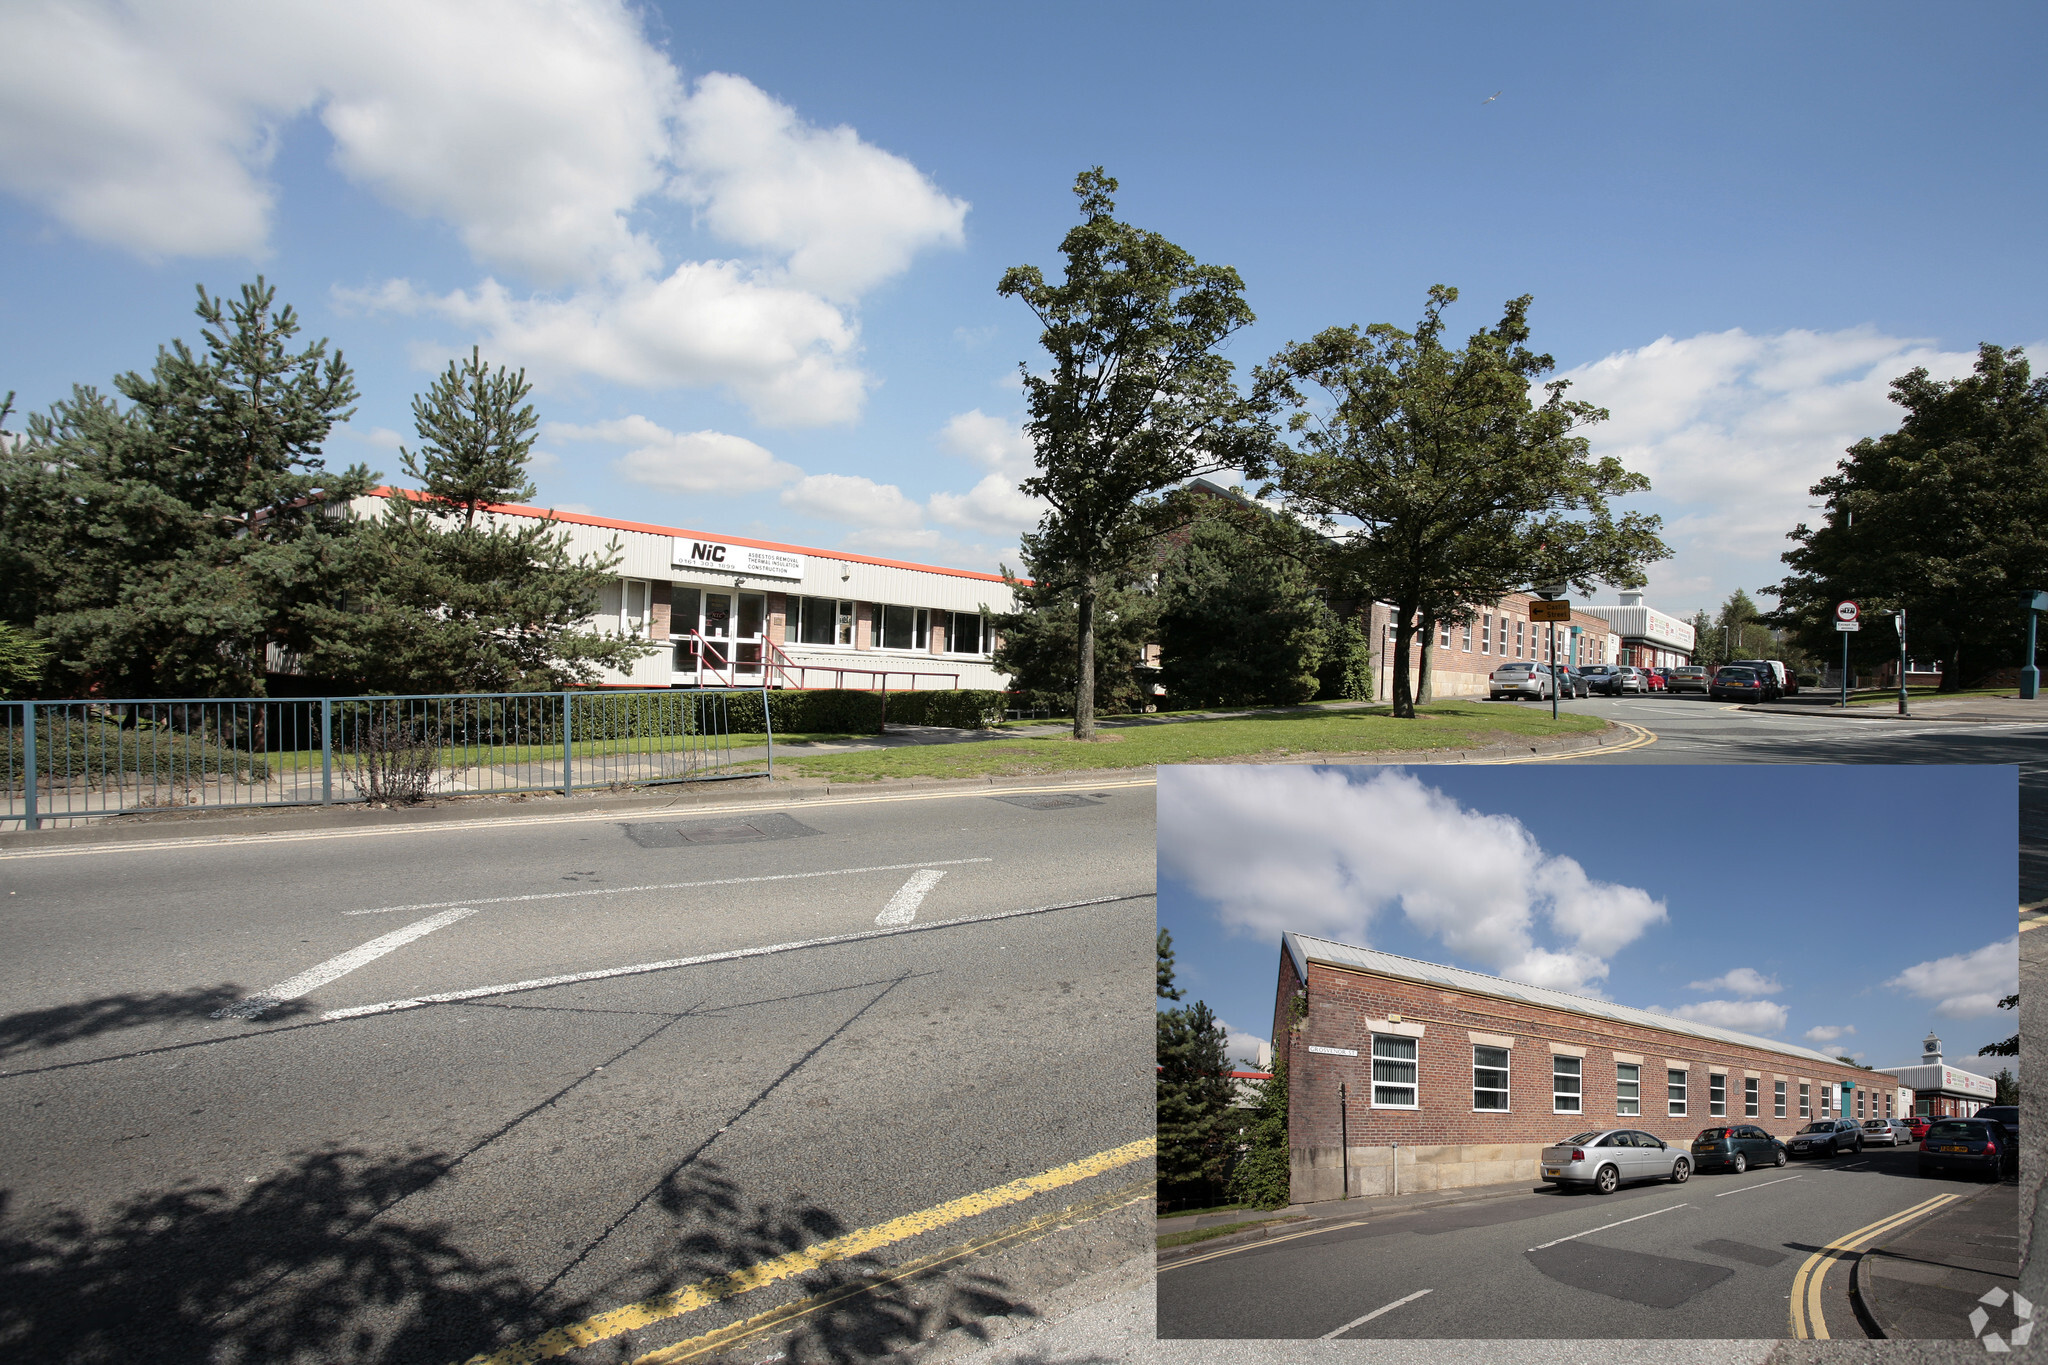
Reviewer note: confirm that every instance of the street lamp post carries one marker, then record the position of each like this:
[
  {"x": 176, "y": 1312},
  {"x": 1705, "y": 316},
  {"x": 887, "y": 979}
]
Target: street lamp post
[
  {"x": 2030, "y": 676},
  {"x": 1899, "y": 621}
]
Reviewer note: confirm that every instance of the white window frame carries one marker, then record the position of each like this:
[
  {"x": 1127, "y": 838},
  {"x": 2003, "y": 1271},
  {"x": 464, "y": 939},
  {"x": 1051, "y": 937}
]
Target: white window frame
[
  {"x": 1827, "y": 1099},
  {"x": 1805, "y": 1100},
  {"x": 1675, "y": 1092},
  {"x": 1413, "y": 1061},
  {"x": 1486, "y": 634},
  {"x": 1505, "y": 1089},
  {"x": 1518, "y": 638},
  {"x": 1577, "y": 1094},
  {"x": 953, "y": 635},
  {"x": 1634, "y": 1100},
  {"x": 644, "y": 589},
  {"x": 1467, "y": 643},
  {"x": 1778, "y": 1098},
  {"x": 1443, "y": 635},
  {"x": 1717, "y": 1108},
  {"x": 1752, "y": 1096}
]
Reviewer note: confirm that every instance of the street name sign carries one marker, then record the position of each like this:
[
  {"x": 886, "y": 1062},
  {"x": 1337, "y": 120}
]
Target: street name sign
[
  {"x": 1550, "y": 611},
  {"x": 1848, "y": 625}
]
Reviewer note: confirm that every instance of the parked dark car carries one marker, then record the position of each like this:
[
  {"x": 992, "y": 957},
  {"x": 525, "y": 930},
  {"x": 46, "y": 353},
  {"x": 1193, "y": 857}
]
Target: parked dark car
[
  {"x": 1737, "y": 684},
  {"x": 1572, "y": 683},
  {"x": 1738, "y": 1146},
  {"x": 2006, "y": 1116},
  {"x": 1827, "y": 1137},
  {"x": 1778, "y": 679},
  {"x": 1613, "y": 679},
  {"x": 1973, "y": 1146}
]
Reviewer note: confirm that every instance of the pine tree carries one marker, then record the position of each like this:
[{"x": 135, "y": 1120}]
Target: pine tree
[
  {"x": 457, "y": 598},
  {"x": 1196, "y": 1128},
  {"x": 1040, "y": 637},
  {"x": 1240, "y": 621}
]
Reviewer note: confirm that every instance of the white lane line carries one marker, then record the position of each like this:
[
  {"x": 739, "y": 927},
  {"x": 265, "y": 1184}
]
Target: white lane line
[
  {"x": 902, "y": 907},
  {"x": 664, "y": 886},
  {"x": 1604, "y": 1226},
  {"x": 641, "y": 968},
  {"x": 1857, "y": 1167},
  {"x": 313, "y": 978},
  {"x": 1747, "y": 1188},
  {"x": 103, "y": 849},
  {"x": 1388, "y": 1308}
]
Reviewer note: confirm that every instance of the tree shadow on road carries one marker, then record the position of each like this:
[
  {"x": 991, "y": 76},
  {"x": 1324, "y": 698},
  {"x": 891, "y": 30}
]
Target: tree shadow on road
[
  {"x": 295, "y": 1267},
  {"x": 35, "y": 1030}
]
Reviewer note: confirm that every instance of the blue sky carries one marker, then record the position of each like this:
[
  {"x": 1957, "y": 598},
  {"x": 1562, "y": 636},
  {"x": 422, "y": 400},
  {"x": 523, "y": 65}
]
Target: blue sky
[
  {"x": 1845, "y": 908},
  {"x": 749, "y": 253}
]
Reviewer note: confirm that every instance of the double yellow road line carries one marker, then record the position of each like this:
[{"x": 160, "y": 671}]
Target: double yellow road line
[{"x": 1807, "y": 1322}]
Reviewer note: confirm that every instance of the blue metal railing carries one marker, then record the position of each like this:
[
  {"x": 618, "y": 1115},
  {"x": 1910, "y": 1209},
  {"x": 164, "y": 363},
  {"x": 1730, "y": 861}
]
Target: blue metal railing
[{"x": 76, "y": 760}]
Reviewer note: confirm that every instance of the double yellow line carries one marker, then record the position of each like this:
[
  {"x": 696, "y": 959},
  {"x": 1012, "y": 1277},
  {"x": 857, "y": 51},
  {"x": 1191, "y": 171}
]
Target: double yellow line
[{"x": 1807, "y": 1321}]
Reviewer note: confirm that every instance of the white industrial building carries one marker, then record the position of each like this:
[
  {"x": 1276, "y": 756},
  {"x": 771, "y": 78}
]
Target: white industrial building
[
  {"x": 1649, "y": 638},
  {"x": 1941, "y": 1088}
]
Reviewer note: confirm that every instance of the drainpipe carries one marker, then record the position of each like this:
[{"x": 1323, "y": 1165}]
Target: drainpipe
[{"x": 1397, "y": 1168}]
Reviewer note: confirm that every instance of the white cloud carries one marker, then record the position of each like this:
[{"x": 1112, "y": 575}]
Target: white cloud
[
  {"x": 683, "y": 461},
  {"x": 1297, "y": 848},
  {"x": 845, "y": 215},
  {"x": 854, "y": 500},
  {"x": 1967, "y": 985},
  {"x": 995, "y": 506},
  {"x": 997, "y": 445},
  {"x": 1820, "y": 1035},
  {"x": 543, "y": 134},
  {"x": 1243, "y": 1048},
  {"x": 1746, "y": 1016},
  {"x": 1743, "y": 981}
]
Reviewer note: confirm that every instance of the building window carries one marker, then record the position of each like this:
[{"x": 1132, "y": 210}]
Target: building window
[
  {"x": 1565, "y": 1080},
  {"x": 1749, "y": 1097},
  {"x": 1490, "y": 1078},
  {"x": 819, "y": 621},
  {"x": 1486, "y": 634},
  {"x": 1827, "y": 1099},
  {"x": 970, "y": 634},
  {"x": 1468, "y": 637},
  {"x": 1779, "y": 1097},
  {"x": 1518, "y": 638},
  {"x": 1393, "y": 1072},
  {"x": 1805, "y": 1102},
  {"x": 1887, "y": 1104},
  {"x": 1443, "y": 635},
  {"x": 1674, "y": 1086},
  {"x": 904, "y": 627},
  {"x": 1628, "y": 1089},
  {"x": 1717, "y": 1096},
  {"x": 633, "y": 599}
]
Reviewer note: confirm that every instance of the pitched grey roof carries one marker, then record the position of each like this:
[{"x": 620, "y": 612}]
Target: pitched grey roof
[{"x": 1303, "y": 947}]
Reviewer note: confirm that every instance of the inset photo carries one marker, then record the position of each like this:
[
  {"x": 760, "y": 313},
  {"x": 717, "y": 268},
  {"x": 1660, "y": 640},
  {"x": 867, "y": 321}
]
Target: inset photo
[{"x": 1571, "y": 1052}]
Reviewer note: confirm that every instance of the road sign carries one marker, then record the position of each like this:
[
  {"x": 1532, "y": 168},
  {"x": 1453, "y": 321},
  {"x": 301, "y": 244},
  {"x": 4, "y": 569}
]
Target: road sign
[
  {"x": 1551, "y": 589},
  {"x": 1550, "y": 611},
  {"x": 1848, "y": 625},
  {"x": 1847, "y": 611}
]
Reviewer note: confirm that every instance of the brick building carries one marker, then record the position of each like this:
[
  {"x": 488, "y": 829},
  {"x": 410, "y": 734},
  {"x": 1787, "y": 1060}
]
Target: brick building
[
  {"x": 1463, "y": 657},
  {"x": 1463, "y": 1078}
]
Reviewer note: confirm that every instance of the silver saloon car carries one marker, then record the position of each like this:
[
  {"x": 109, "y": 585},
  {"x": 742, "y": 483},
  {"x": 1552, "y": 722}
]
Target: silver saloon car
[
  {"x": 1605, "y": 1159},
  {"x": 1887, "y": 1133}
]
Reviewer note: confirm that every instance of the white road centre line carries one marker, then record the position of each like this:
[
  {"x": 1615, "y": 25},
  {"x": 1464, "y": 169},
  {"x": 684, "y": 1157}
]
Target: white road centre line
[
  {"x": 663, "y": 886},
  {"x": 1386, "y": 1308},
  {"x": 730, "y": 955},
  {"x": 1604, "y": 1226},
  {"x": 1747, "y": 1188},
  {"x": 313, "y": 978},
  {"x": 902, "y": 907}
]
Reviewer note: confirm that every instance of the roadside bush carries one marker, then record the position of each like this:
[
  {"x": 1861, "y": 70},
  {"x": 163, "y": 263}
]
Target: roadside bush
[
  {"x": 395, "y": 759},
  {"x": 829, "y": 709},
  {"x": 97, "y": 750},
  {"x": 1345, "y": 673},
  {"x": 966, "y": 708}
]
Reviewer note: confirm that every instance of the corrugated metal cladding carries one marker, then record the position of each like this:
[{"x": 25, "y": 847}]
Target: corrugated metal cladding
[{"x": 1306, "y": 948}]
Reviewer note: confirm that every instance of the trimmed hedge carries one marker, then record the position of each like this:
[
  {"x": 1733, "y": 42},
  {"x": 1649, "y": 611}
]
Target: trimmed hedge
[
  {"x": 829, "y": 709},
  {"x": 966, "y": 708}
]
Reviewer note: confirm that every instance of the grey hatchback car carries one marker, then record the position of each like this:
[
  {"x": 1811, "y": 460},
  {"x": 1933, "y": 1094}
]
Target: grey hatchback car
[
  {"x": 1738, "y": 1146},
  {"x": 1605, "y": 1158}
]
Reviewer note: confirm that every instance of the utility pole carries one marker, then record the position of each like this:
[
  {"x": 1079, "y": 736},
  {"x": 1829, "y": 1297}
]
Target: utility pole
[{"x": 1899, "y": 622}]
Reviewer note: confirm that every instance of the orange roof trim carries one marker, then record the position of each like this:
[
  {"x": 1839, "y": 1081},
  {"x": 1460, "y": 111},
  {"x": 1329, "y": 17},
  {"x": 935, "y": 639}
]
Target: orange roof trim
[{"x": 646, "y": 528}]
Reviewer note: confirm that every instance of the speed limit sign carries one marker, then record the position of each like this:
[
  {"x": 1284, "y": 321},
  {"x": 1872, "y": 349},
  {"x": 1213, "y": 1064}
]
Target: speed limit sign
[{"x": 1846, "y": 611}]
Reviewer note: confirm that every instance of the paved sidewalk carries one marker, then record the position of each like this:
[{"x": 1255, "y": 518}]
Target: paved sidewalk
[{"x": 1924, "y": 1283}]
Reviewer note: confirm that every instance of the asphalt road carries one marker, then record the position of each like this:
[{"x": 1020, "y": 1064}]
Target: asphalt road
[
  {"x": 233, "y": 1131},
  {"x": 1713, "y": 1257}
]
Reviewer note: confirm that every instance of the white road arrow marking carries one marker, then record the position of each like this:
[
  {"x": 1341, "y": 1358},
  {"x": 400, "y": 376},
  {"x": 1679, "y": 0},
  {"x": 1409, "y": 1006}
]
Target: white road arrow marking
[
  {"x": 313, "y": 978},
  {"x": 902, "y": 907}
]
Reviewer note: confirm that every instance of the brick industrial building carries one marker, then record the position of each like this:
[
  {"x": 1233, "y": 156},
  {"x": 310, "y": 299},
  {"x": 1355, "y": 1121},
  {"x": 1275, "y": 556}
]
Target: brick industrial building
[{"x": 1457, "y": 1078}]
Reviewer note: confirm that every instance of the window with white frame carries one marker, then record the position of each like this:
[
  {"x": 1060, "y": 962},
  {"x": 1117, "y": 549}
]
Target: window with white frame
[
  {"x": 1805, "y": 1100},
  {"x": 905, "y": 627},
  {"x": 1888, "y": 1104},
  {"x": 634, "y": 596},
  {"x": 1468, "y": 637},
  {"x": 1486, "y": 634},
  {"x": 1778, "y": 1098},
  {"x": 1749, "y": 1097},
  {"x": 1628, "y": 1088},
  {"x": 1443, "y": 635},
  {"x": 1567, "y": 1077},
  {"x": 1393, "y": 1071},
  {"x": 1518, "y": 637},
  {"x": 1674, "y": 1088},
  {"x": 1717, "y": 1095},
  {"x": 1489, "y": 1078},
  {"x": 1827, "y": 1099},
  {"x": 969, "y": 634},
  {"x": 819, "y": 621}
]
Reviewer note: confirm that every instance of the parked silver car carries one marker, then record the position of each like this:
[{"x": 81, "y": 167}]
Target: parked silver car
[
  {"x": 1605, "y": 1158},
  {"x": 1519, "y": 680},
  {"x": 1887, "y": 1133}
]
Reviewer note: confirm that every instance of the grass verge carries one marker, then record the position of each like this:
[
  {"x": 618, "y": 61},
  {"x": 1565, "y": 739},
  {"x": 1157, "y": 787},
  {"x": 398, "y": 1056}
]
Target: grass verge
[
  {"x": 1439, "y": 726},
  {"x": 1181, "y": 1239},
  {"x": 1914, "y": 694}
]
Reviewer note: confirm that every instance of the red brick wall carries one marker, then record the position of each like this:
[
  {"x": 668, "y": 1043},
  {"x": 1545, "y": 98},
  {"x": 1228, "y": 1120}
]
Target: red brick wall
[{"x": 1340, "y": 1002}]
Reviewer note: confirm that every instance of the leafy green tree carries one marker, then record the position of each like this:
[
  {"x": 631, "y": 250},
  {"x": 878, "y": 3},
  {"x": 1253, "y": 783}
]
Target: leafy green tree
[
  {"x": 1239, "y": 623},
  {"x": 1451, "y": 485},
  {"x": 457, "y": 598},
  {"x": 2008, "y": 1091},
  {"x": 1040, "y": 637},
  {"x": 1947, "y": 517},
  {"x": 1262, "y": 1176},
  {"x": 1345, "y": 673},
  {"x": 1703, "y": 629},
  {"x": 1135, "y": 400},
  {"x": 1743, "y": 632},
  {"x": 22, "y": 660},
  {"x": 1196, "y": 1129},
  {"x": 2011, "y": 1046},
  {"x": 174, "y": 546}
]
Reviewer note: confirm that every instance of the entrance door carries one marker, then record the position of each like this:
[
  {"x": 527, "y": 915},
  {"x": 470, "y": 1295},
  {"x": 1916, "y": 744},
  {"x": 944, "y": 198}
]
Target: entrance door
[{"x": 749, "y": 633}]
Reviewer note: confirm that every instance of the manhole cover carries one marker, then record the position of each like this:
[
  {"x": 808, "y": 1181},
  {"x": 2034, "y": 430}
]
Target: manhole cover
[
  {"x": 752, "y": 829},
  {"x": 1046, "y": 801}
]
